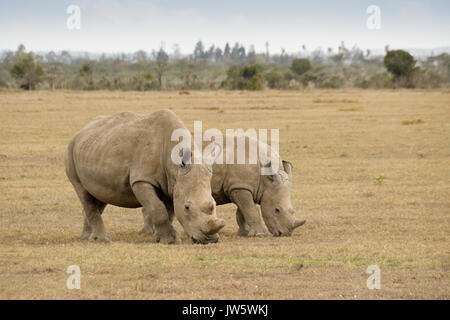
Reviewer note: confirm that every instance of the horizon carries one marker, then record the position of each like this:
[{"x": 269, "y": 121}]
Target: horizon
[{"x": 147, "y": 25}]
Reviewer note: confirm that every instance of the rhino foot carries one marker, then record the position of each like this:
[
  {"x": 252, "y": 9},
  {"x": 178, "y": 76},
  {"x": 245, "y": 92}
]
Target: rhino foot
[
  {"x": 147, "y": 230},
  {"x": 257, "y": 233},
  {"x": 171, "y": 237},
  {"x": 85, "y": 235},
  {"x": 99, "y": 238},
  {"x": 242, "y": 232}
]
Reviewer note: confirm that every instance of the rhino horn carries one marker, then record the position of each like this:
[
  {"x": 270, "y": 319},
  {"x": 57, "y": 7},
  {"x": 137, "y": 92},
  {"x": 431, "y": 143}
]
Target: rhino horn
[
  {"x": 214, "y": 225},
  {"x": 298, "y": 223}
]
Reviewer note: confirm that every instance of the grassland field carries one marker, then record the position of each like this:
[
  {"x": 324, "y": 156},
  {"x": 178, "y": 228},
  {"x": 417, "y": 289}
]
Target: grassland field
[{"x": 371, "y": 177}]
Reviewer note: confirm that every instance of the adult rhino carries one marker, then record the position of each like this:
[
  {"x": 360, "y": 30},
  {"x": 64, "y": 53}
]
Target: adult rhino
[
  {"x": 243, "y": 185},
  {"x": 125, "y": 160}
]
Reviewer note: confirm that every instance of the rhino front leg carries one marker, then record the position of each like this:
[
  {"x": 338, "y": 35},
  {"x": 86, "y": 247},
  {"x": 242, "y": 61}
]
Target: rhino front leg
[
  {"x": 149, "y": 228},
  {"x": 148, "y": 224},
  {"x": 249, "y": 214},
  {"x": 155, "y": 213},
  {"x": 243, "y": 226}
]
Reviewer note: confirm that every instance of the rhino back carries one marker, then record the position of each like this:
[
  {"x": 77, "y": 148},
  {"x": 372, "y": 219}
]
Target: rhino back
[
  {"x": 112, "y": 152},
  {"x": 229, "y": 177}
]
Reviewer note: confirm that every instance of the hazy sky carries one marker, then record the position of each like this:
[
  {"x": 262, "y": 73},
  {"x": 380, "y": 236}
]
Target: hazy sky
[{"x": 129, "y": 25}]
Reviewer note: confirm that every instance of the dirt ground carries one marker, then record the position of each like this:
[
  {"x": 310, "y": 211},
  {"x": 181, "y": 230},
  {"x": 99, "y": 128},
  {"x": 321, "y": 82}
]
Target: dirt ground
[{"x": 371, "y": 177}]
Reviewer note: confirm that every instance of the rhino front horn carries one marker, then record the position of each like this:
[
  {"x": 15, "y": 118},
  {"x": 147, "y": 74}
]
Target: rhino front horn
[
  {"x": 298, "y": 223},
  {"x": 214, "y": 225}
]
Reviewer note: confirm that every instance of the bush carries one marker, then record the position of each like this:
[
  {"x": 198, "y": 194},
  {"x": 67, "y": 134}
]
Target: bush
[
  {"x": 273, "y": 79},
  {"x": 378, "y": 81},
  {"x": 244, "y": 78},
  {"x": 300, "y": 66},
  {"x": 401, "y": 64}
]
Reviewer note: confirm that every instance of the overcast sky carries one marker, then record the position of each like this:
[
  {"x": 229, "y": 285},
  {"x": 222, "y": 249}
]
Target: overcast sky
[{"x": 129, "y": 25}]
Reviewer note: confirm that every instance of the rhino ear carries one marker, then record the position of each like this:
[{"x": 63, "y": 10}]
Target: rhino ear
[
  {"x": 288, "y": 167},
  {"x": 274, "y": 176}
]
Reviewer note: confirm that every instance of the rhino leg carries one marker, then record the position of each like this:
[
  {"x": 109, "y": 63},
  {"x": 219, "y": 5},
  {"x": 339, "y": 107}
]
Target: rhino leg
[
  {"x": 155, "y": 213},
  {"x": 243, "y": 226},
  {"x": 149, "y": 228},
  {"x": 148, "y": 224},
  {"x": 87, "y": 229},
  {"x": 93, "y": 227},
  {"x": 250, "y": 214}
]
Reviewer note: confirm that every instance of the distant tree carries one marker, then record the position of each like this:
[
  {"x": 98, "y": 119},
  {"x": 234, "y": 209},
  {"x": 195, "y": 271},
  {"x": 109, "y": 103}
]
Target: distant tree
[
  {"x": 21, "y": 52},
  {"x": 140, "y": 56},
  {"x": 66, "y": 57},
  {"x": 210, "y": 53},
  {"x": 176, "y": 51},
  {"x": 199, "y": 51},
  {"x": 251, "y": 53},
  {"x": 218, "y": 54},
  {"x": 162, "y": 61},
  {"x": 28, "y": 72},
  {"x": 52, "y": 72},
  {"x": 300, "y": 66},
  {"x": 50, "y": 57},
  {"x": 235, "y": 52},
  {"x": 227, "y": 51},
  {"x": 400, "y": 63},
  {"x": 86, "y": 74}
]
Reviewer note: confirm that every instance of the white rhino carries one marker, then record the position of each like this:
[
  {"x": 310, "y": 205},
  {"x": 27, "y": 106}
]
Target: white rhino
[
  {"x": 243, "y": 185},
  {"x": 125, "y": 160}
]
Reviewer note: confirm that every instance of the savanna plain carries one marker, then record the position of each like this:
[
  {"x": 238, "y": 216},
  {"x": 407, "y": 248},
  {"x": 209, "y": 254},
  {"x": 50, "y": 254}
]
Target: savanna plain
[{"x": 371, "y": 177}]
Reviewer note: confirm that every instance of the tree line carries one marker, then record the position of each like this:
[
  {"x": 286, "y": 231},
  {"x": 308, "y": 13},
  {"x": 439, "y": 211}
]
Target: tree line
[{"x": 231, "y": 67}]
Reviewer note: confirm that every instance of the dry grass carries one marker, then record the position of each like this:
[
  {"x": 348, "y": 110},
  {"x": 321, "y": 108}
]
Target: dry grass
[
  {"x": 351, "y": 108},
  {"x": 373, "y": 191},
  {"x": 415, "y": 121}
]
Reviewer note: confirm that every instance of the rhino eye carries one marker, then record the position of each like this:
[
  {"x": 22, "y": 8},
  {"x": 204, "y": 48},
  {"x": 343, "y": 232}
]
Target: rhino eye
[
  {"x": 186, "y": 207},
  {"x": 277, "y": 211}
]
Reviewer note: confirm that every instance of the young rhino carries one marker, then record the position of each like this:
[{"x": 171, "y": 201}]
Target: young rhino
[
  {"x": 125, "y": 160},
  {"x": 243, "y": 185}
]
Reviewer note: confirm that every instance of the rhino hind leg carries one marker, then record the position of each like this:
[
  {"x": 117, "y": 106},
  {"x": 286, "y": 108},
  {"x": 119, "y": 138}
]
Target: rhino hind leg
[
  {"x": 93, "y": 227},
  {"x": 155, "y": 213}
]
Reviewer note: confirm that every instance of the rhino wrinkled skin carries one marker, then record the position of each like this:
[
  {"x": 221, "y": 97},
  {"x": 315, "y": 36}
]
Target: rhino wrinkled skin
[
  {"x": 125, "y": 160},
  {"x": 243, "y": 185}
]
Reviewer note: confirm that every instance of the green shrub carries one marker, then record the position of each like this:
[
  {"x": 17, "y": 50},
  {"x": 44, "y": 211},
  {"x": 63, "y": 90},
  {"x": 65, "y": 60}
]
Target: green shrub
[
  {"x": 244, "y": 78},
  {"x": 300, "y": 66}
]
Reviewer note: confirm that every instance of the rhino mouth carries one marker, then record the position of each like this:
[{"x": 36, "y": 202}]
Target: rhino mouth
[
  {"x": 204, "y": 240},
  {"x": 281, "y": 234}
]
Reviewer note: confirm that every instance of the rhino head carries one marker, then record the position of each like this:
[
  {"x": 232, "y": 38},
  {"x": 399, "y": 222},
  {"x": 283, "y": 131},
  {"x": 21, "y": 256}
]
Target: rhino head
[
  {"x": 276, "y": 206},
  {"x": 194, "y": 205}
]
